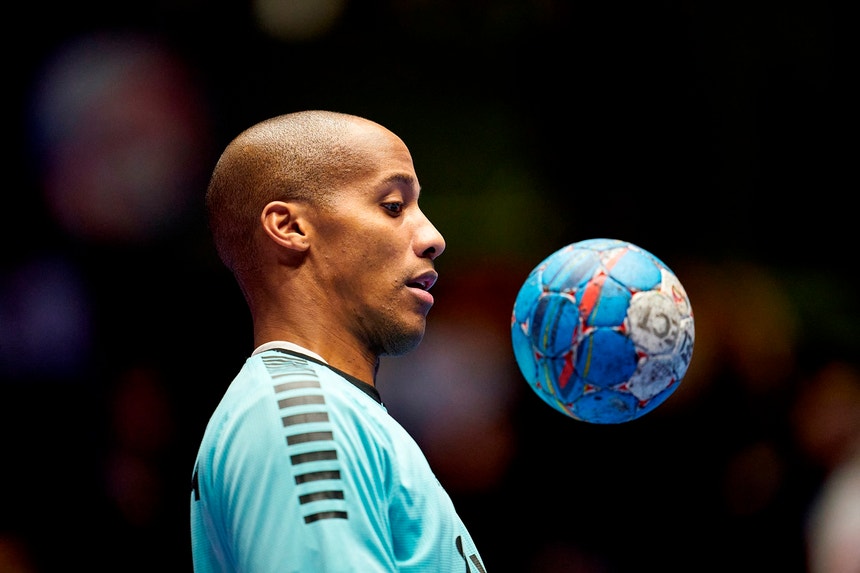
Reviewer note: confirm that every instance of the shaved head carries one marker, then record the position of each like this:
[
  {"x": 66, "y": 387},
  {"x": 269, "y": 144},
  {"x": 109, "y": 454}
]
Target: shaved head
[{"x": 303, "y": 156}]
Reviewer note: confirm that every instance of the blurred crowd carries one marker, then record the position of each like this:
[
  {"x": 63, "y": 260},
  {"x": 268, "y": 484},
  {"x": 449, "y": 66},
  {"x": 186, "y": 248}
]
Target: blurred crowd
[{"x": 690, "y": 131}]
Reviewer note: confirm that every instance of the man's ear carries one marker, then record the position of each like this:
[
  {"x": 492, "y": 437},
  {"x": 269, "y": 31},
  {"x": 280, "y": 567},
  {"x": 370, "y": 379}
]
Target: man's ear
[{"x": 283, "y": 222}]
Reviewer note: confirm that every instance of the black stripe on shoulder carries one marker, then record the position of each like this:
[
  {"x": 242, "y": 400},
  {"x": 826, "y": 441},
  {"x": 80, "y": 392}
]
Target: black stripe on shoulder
[
  {"x": 310, "y": 438},
  {"x": 325, "y": 515},
  {"x": 368, "y": 389}
]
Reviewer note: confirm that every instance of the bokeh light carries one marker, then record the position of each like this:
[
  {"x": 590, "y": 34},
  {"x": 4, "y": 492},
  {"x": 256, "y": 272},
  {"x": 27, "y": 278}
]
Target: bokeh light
[{"x": 120, "y": 135}]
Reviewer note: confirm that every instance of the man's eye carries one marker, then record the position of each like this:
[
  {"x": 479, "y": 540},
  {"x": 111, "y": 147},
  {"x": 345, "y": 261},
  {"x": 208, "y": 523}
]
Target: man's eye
[{"x": 395, "y": 208}]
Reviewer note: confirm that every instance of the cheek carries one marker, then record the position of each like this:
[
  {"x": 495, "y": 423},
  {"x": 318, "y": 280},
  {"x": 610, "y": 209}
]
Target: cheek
[
  {"x": 365, "y": 267},
  {"x": 376, "y": 255}
]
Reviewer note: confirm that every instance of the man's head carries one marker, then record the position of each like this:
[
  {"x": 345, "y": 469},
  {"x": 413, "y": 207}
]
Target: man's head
[
  {"x": 317, "y": 215},
  {"x": 295, "y": 157}
]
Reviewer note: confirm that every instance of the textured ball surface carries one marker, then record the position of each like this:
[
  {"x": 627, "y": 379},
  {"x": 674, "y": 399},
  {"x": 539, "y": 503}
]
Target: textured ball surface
[{"x": 602, "y": 331}]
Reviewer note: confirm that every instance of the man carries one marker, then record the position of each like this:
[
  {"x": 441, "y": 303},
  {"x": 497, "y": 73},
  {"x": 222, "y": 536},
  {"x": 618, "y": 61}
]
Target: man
[{"x": 301, "y": 468}]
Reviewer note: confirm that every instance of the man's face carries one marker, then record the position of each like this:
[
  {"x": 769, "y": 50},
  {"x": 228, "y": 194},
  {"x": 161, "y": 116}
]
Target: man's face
[{"x": 375, "y": 250}]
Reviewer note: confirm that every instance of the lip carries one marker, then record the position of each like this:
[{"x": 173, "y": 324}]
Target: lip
[
  {"x": 421, "y": 285},
  {"x": 425, "y": 297},
  {"x": 426, "y": 280}
]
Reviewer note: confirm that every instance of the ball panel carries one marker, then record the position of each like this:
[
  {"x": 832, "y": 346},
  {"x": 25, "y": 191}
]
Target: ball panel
[
  {"x": 599, "y": 244},
  {"x": 605, "y": 357},
  {"x": 555, "y": 323},
  {"x": 603, "y": 301},
  {"x": 654, "y": 322},
  {"x": 527, "y": 297},
  {"x": 684, "y": 352},
  {"x": 645, "y": 407},
  {"x": 562, "y": 377},
  {"x": 547, "y": 388},
  {"x": 674, "y": 289},
  {"x": 653, "y": 375},
  {"x": 568, "y": 268},
  {"x": 605, "y": 407},
  {"x": 524, "y": 352},
  {"x": 637, "y": 270}
]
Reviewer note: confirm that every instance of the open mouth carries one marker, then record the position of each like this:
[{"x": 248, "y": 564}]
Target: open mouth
[{"x": 423, "y": 282}]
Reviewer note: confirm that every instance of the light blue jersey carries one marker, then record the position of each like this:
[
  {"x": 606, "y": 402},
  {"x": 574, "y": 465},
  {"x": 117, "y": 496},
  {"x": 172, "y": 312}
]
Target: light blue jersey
[{"x": 302, "y": 469}]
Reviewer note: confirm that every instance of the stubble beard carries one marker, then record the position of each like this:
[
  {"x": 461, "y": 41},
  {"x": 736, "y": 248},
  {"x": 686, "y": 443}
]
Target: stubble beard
[{"x": 396, "y": 338}]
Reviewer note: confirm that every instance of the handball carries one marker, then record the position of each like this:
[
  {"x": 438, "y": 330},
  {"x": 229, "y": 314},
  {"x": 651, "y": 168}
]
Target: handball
[{"x": 602, "y": 331}]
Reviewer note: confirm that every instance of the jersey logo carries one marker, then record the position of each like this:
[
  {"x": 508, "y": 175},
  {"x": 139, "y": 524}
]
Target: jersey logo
[
  {"x": 309, "y": 437},
  {"x": 479, "y": 567}
]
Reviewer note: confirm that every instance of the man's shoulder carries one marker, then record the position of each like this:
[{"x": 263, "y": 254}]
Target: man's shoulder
[{"x": 293, "y": 371}]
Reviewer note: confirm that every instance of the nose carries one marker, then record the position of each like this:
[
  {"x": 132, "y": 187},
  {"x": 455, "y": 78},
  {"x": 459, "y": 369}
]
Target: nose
[{"x": 429, "y": 241}]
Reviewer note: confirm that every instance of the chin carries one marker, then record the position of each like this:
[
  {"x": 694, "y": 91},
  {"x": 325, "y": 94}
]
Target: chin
[{"x": 403, "y": 342}]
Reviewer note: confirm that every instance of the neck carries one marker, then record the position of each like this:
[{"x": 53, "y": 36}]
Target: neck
[{"x": 343, "y": 354}]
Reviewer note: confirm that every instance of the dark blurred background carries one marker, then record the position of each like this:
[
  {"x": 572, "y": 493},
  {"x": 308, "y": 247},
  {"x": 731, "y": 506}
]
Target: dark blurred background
[{"x": 713, "y": 134}]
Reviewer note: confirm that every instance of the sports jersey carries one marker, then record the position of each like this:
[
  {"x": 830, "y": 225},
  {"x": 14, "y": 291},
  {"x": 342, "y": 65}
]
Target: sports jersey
[{"x": 302, "y": 469}]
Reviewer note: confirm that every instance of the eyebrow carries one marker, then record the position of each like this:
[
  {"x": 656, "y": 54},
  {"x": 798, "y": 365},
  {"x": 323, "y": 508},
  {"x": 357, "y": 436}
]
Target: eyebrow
[
  {"x": 399, "y": 179},
  {"x": 402, "y": 180}
]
